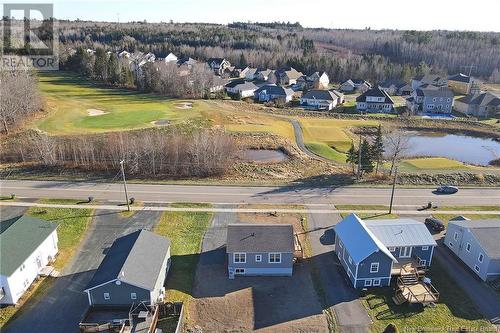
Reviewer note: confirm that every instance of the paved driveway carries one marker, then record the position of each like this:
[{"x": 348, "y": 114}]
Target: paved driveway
[
  {"x": 350, "y": 314},
  {"x": 62, "y": 307}
]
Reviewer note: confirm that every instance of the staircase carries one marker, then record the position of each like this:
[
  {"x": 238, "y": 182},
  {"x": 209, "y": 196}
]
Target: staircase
[
  {"x": 409, "y": 279},
  {"x": 398, "y": 298}
]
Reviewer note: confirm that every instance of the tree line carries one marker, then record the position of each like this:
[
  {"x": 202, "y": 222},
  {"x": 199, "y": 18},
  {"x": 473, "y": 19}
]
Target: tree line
[{"x": 147, "y": 153}]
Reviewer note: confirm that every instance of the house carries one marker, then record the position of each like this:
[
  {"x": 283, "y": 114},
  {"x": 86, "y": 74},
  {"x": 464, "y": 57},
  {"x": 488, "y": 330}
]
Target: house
[
  {"x": 316, "y": 80},
  {"x": 405, "y": 90},
  {"x": 430, "y": 79},
  {"x": 171, "y": 58},
  {"x": 187, "y": 62},
  {"x": 124, "y": 54},
  {"x": 477, "y": 244},
  {"x": 394, "y": 87},
  {"x": 250, "y": 74},
  {"x": 355, "y": 85},
  {"x": 484, "y": 104},
  {"x": 27, "y": 245},
  {"x": 262, "y": 74},
  {"x": 287, "y": 76},
  {"x": 218, "y": 65},
  {"x": 133, "y": 271},
  {"x": 240, "y": 88},
  {"x": 463, "y": 84},
  {"x": 432, "y": 99},
  {"x": 375, "y": 100},
  {"x": 240, "y": 72},
  {"x": 260, "y": 249},
  {"x": 321, "y": 99},
  {"x": 271, "y": 92},
  {"x": 371, "y": 252}
]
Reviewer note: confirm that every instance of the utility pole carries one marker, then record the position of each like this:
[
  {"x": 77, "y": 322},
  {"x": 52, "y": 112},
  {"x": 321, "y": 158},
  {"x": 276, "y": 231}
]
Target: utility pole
[
  {"x": 125, "y": 184},
  {"x": 393, "y": 187},
  {"x": 358, "y": 176}
]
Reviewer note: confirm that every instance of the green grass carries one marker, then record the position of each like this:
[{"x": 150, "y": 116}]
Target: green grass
[
  {"x": 432, "y": 163},
  {"x": 72, "y": 225},
  {"x": 68, "y": 98},
  {"x": 453, "y": 310},
  {"x": 323, "y": 150},
  {"x": 185, "y": 230},
  {"x": 368, "y": 216}
]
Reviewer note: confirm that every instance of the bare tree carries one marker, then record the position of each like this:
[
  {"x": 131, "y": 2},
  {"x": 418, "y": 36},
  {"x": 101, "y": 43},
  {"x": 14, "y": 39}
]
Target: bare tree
[{"x": 397, "y": 143}]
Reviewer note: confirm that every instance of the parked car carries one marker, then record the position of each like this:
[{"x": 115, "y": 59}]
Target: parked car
[
  {"x": 435, "y": 224},
  {"x": 447, "y": 189}
]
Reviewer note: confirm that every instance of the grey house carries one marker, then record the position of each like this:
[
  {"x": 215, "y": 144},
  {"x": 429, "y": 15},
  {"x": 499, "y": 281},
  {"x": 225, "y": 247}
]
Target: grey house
[
  {"x": 133, "y": 271},
  {"x": 431, "y": 99},
  {"x": 271, "y": 92},
  {"x": 371, "y": 252},
  {"x": 260, "y": 249},
  {"x": 375, "y": 100},
  {"x": 484, "y": 104},
  {"x": 477, "y": 244}
]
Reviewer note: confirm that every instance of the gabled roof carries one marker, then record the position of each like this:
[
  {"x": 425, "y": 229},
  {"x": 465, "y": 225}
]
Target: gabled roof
[
  {"x": 245, "y": 85},
  {"x": 260, "y": 238},
  {"x": 272, "y": 89},
  {"x": 234, "y": 83},
  {"x": 264, "y": 72},
  {"x": 135, "y": 259},
  {"x": 401, "y": 232},
  {"x": 483, "y": 99},
  {"x": 349, "y": 82},
  {"x": 432, "y": 91},
  {"x": 375, "y": 92},
  {"x": 359, "y": 239},
  {"x": 19, "y": 238},
  {"x": 428, "y": 78},
  {"x": 396, "y": 83},
  {"x": 486, "y": 232},
  {"x": 289, "y": 72},
  {"x": 460, "y": 78},
  {"x": 187, "y": 61},
  {"x": 321, "y": 95}
]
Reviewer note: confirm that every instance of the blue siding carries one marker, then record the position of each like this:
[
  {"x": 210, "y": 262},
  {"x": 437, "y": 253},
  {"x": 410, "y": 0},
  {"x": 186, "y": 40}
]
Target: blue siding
[
  {"x": 384, "y": 269},
  {"x": 343, "y": 256},
  {"x": 417, "y": 251}
]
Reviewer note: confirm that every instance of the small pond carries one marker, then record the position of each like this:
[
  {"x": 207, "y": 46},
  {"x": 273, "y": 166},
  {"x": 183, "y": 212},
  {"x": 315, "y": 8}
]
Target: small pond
[
  {"x": 263, "y": 155},
  {"x": 467, "y": 149}
]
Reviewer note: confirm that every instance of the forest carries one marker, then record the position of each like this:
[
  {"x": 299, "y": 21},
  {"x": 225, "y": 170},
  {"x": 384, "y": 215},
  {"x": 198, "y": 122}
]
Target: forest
[{"x": 368, "y": 54}]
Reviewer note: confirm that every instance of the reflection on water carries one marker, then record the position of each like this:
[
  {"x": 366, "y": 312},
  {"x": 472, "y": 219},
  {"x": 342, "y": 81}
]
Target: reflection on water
[{"x": 467, "y": 149}]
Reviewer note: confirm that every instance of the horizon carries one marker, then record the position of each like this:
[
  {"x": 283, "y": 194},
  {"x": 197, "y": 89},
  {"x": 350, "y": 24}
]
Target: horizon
[{"x": 374, "y": 16}]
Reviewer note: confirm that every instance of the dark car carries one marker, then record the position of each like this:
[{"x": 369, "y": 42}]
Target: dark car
[
  {"x": 447, "y": 189},
  {"x": 435, "y": 224}
]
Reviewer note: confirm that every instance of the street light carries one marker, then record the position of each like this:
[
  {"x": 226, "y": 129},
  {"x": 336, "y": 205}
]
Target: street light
[{"x": 125, "y": 184}]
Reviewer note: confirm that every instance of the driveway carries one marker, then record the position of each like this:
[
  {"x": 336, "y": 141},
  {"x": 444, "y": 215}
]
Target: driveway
[
  {"x": 264, "y": 304},
  {"x": 64, "y": 304},
  {"x": 350, "y": 314}
]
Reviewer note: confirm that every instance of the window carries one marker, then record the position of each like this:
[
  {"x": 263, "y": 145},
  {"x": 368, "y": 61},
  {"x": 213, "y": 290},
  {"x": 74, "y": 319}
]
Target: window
[
  {"x": 239, "y": 271},
  {"x": 449, "y": 100},
  {"x": 350, "y": 260},
  {"x": 340, "y": 244},
  {"x": 425, "y": 248},
  {"x": 405, "y": 252},
  {"x": 26, "y": 283},
  {"x": 258, "y": 257},
  {"x": 240, "y": 258},
  {"x": 434, "y": 99},
  {"x": 468, "y": 247},
  {"x": 376, "y": 282},
  {"x": 133, "y": 296},
  {"x": 450, "y": 244},
  {"x": 374, "y": 267},
  {"x": 106, "y": 296},
  {"x": 480, "y": 258},
  {"x": 455, "y": 236},
  {"x": 476, "y": 268},
  {"x": 423, "y": 262},
  {"x": 392, "y": 249},
  {"x": 274, "y": 258},
  {"x": 368, "y": 283}
]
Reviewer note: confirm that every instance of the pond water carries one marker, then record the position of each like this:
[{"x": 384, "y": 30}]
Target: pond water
[
  {"x": 263, "y": 155},
  {"x": 467, "y": 149}
]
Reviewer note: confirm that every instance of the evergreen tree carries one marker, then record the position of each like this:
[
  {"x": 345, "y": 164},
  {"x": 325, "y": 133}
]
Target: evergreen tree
[
  {"x": 377, "y": 149},
  {"x": 366, "y": 157},
  {"x": 100, "y": 65},
  {"x": 113, "y": 69},
  {"x": 352, "y": 157}
]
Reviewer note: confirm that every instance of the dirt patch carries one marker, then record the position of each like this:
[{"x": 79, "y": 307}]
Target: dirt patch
[
  {"x": 184, "y": 105},
  {"x": 95, "y": 112},
  {"x": 161, "y": 122}
]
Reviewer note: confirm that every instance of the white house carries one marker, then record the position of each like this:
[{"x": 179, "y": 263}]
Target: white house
[
  {"x": 171, "y": 57},
  {"x": 241, "y": 88},
  {"x": 375, "y": 100},
  {"x": 321, "y": 99},
  {"x": 27, "y": 245}
]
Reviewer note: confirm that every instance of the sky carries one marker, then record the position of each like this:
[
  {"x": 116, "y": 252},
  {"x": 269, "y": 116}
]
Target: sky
[{"x": 479, "y": 15}]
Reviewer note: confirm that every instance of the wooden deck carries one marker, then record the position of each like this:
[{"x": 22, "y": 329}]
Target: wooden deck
[
  {"x": 419, "y": 293},
  {"x": 405, "y": 266}
]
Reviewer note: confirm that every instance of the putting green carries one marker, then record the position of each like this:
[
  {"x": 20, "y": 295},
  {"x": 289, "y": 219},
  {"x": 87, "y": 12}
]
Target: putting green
[{"x": 77, "y": 107}]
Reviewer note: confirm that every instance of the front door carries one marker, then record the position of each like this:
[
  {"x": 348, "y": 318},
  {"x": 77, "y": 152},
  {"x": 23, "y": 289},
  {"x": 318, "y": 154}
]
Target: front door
[{"x": 405, "y": 252}]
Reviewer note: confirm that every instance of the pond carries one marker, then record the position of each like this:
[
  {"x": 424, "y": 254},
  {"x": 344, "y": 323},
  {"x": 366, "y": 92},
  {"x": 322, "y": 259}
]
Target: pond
[
  {"x": 467, "y": 149},
  {"x": 263, "y": 155}
]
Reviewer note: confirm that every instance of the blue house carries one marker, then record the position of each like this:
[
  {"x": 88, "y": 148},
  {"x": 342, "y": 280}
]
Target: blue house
[{"x": 372, "y": 252}]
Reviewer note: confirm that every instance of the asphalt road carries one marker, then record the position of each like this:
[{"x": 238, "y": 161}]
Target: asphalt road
[
  {"x": 64, "y": 304},
  {"x": 312, "y": 196}
]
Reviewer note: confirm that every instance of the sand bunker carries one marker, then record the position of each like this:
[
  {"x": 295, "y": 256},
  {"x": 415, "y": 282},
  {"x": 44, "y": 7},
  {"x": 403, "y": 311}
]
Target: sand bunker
[
  {"x": 184, "y": 105},
  {"x": 161, "y": 122},
  {"x": 95, "y": 112}
]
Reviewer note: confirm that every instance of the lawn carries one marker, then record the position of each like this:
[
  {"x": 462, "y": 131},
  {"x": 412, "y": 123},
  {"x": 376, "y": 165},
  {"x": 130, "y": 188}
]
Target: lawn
[
  {"x": 69, "y": 98},
  {"x": 72, "y": 225},
  {"x": 185, "y": 230},
  {"x": 453, "y": 310},
  {"x": 432, "y": 163}
]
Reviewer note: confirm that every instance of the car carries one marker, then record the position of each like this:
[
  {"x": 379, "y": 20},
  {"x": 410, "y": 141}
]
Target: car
[
  {"x": 447, "y": 189},
  {"x": 435, "y": 224}
]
